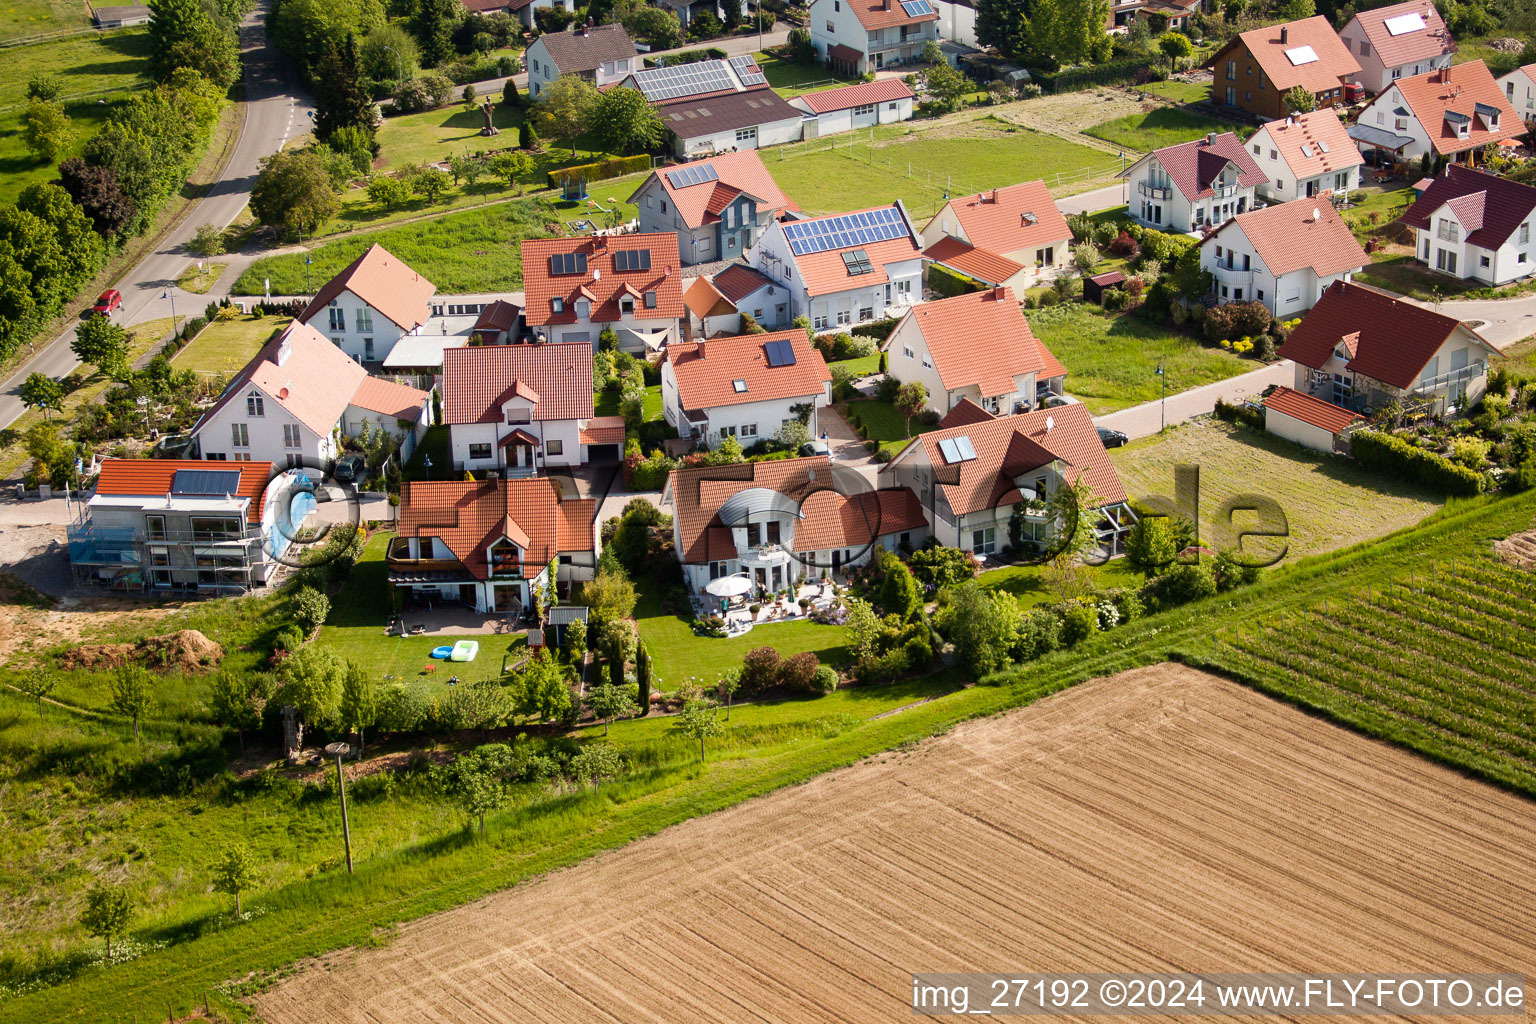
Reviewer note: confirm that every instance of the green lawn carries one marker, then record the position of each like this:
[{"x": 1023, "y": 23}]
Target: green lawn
[
  {"x": 1328, "y": 502},
  {"x": 884, "y": 423},
  {"x": 22, "y": 18},
  {"x": 1027, "y": 582},
  {"x": 434, "y": 446},
  {"x": 917, "y": 167},
  {"x": 474, "y": 251},
  {"x": 1399, "y": 272},
  {"x": 790, "y": 79},
  {"x": 1179, "y": 92},
  {"x": 1386, "y": 206},
  {"x": 226, "y": 347},
  {"x": 863, "y": 366},
  {"x": 1165, "y": 126},
  {"x": 1110, "y": 359}
]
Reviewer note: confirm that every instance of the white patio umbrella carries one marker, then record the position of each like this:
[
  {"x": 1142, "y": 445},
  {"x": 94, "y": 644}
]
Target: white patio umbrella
[{"x": 729, "y": 586}]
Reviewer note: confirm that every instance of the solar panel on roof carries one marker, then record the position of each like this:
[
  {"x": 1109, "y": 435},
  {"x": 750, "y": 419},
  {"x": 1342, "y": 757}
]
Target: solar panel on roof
[
  {"x": 632, "y": 259},
  {"x": 680, "y": 80},
  {"x": 747, "y": 70},
  {"x": 1300, "y": 55},
  {"x": 916, "y": 8},
  {"x": 562, "y": 263},
  {"x": 1404, "y": 23},
  {"x": 947, "y": 449},
  {"x": 205, "y": 481},
  {"x": 779, "y": 353},
  {"x": 844, "y": 232},
  {"x": 966, "y": 449}
]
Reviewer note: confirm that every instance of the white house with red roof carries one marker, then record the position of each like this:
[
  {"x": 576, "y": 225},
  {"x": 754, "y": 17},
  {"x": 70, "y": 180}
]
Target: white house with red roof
[
  {"x": 518, "y": 409},
  {"x": 1397, "y": 41},
  {"x": 577, "y": 287},
  {"x": 1475, "y": 226},
  {"x": 1193, "y": 185},
  {"x": 844, "y": 269},
  {"x": 753, "y": 292},
  {"x": 850, "y": 107},
  {"x": 293, "y": 402},
  {"x": 372, "y": 304},
  {"x": 1305, "y": 155},
  {"x": 862, "y": 36},
  {"x": 1520, "y": 89},
  {"x": 977, "y": 347},
  {"x": 603, "y": 55},
  {"x": 1363, "y": 349},
  {"x": 783, "y": 522},
  {"x": 1004, "y": 236},
  {"x": 717, "y": 207},
  {"x": 971, "y": 478},
  {"x": 1284, "y": 256},
  {"x": 1454, "y": 112},
  {"x": 746, "y": 387},
  {"x": 488, "y": 544},
  {"x": 709, "y": 312}
]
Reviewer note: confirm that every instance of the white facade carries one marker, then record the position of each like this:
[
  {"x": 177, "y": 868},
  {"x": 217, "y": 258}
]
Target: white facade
[
  {"x": 1520, "y": 89},
  {"x": 1156, "y": 202},
  {"x": 1298, "y": 431},
  {"x": 358, "y": 329},
  {"x": 478, "y": 446},
  {"x": 254, "y": 426},
  {"x": 1460, "y": 364},
  {"x": 908, "y": 359},
  {"x": 723, "y": 239},
  {"x": 957, "y": 22},
  {"x": 1241, "y": 275},
  {"x": 850, "y": 119},
  {"x": 1444, "y": 247},
  {"x": 834, "y": 22},
  {"x": 498, "y": 594},
  {"x": 353, "y": 419},
  {"x": 902, "y": 287},
  {"x": 982, "y": 532},
  {"x": 748, "y": 422},
  {"x": 1373, "y": 74},
  {"x": 543, "y": 70},
  {"x": 632, "y": 331},
  {"x": 1382, "y": 112},
  {"x": 1282, "y": 183},
  {"x": 772, "y": 133}
]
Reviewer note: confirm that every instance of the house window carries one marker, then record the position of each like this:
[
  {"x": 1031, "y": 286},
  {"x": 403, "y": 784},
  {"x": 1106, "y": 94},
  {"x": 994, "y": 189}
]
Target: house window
[
  {"x": 746, "y": 134},
  {"x": 368, "y": 349},
  {"x": 220, "y": 457},
  {"x": 906, "y": 350},
  {"x": 748, "y": 430},
  {"x": 583, "y": 308},
  {"x": 626, "y": 305},
  {"x": 819, "y": 322},
  {"x": 242, "y": 439},
  {"x": 294, "y": 461},
  {"x": 1445, "y": 260},
  {"x": 984, "y": 541},
  {"x": 866, "y": 312},
  {"x": 239, "y": 457},
  {"x": 1484, "y": 262},
  {"x": 364, "y": 319},
  {"x": 291, "y": 436},
  {"x": 844, "y": 316},
  {"x": 730, "y": 432},
  {"x": 554, "y": 447},
  {"x": 253, "y": 405},
  {"x": 480, "y": 450},
  {"x": 1525, "y": 233},
  {"x": 154, "y": 527},
  {"x": 1231, "y": 70},
  {"x": 338, "y": 319},
  {"x": 1365, "y": 48},
  {"x": 650, "y": 300},
  {"x": 831, "y": 28},
  {"x": 868, "y": 108},
  {"x": 1448, "y": 231}
]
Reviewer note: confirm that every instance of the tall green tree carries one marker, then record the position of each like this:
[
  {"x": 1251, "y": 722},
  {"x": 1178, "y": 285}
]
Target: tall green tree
[
  {"x": 131, "y": 696},
  {"x": 46, "y": 130},
  {"x": 341, "y": 94},
  {"x": 236, "y": 702},
  {"x": 562, "y": 112},
  {"x": 95, "y": 190},
  {"x": 541, "y": 692},
  {"x": 103, "y": 344},
  {"x": 312, "y": 678},
  {"x": 911, "y": 399},
  {"x": 80, "y": 248},
  {"x": 359, "y": 702},
  {"x": 182, "y": 34},
  {"x": 658, "y": 26},
  {"x": 40, "y": 391},
  {"x": 293, "y": 192},
  {"x": 389, "y": 54},
  {"x": 433, "y": 26},
  {"x": 1003, "y": 24},
  {"x": 235, "y": 874},
  {"x": 108, "y": 909},
  {"x": 623, "y": 121}
]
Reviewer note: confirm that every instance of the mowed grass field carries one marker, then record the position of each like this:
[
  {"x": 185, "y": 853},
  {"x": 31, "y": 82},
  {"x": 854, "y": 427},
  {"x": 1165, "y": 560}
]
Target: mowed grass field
[
  {"x": 1138, "y": 790},
  {"x": 1328, "y": 502},
  {"x": 20, "y": 19},
  {"x": 1165, "y": 126},
  {"x": 1111, "y": 359},
  {"x": 226, "y": 347}
]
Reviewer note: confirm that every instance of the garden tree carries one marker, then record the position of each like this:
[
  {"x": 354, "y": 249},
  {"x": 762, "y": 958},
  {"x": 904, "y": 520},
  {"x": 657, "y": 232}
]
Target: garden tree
[
  {"x": 1300, "y": 100},
  {"x": 235, "y": 874},
  {"x": 609, "y": 594},
  {"x": 1151, "y": 545},
  {"x": 468, "y": 96},
  {"x": 911, "y": 399},
  {"x": 40, "y": 391},
  {"x": 433, "y": 27},
  {"x": 108, "y": 909},
  {"x": 563, "y": 112},
  {"x": 981, "y": 624},
  {"x": 597, "y": 763},
  {"x": 96, "y": 191},
  {"x": 310, "y": 607},
  {"x": 609, "y": 702},
  {"x": 1189, "y": 278},
  {"x": 726, "y": 686},
  {"x": 1003, "y": 24},
  {"x": 727, "y": 453},
  {"x": 388, "y": 191},
  {"x": 131, "y": 696},
  {"x": 528, "y": 136},
  {"x": 616, "y": 659},
  {"x": 704, "y": 25},
  {"x": 1073, "y": 513},
  {"x": 541, "y": 692},
  {"x": 476, "y": 780},
  {"x": 732, "y": 10},
  {"x": 312, "y": 678},
  {"x": 341, "y": 96},
  {"x": 862, "y": 627},
  {"x": 53, "y": 458},
  {"x": 236, "y": 701},
  {"x": 549, "y": 20},
  {"x": 359, "y": 702},
  {"x": 208, "y": 240},
  {"x": 631, "y": 540},
  {"x": 509, "y": 93},
  {"x": 511, "y": 166},
  {"x": 623, "y": 121},
  {"x": 932, "y": 52},
  {"x": 46, "y": 130},
  {"x": 429, "y": 183},
  {"x": 899, "y": 593},
  {"x": 643, "y": 678},
  {"x": 1085, "y": 257},
  {"x": 388, "y": 54},
  {"x": 549, "y": 594},
  {"x": 43, "y": 87},
  {"x": 1296, "y": 10},
  {"x": 947, "y": 86},
  {"x": 183, "y": 35},
  {"x": 801, "y": 49},
  {"x": 699, "y": 720},
  {"x": 38, "y": 684},
  {"x": 293, "y": 192},
  {"x": 52, "y": 244},
  {"x": 103, "y": 344},
  {"x": 1176, "y": 47},
  {"x": 356, "y": 145}
]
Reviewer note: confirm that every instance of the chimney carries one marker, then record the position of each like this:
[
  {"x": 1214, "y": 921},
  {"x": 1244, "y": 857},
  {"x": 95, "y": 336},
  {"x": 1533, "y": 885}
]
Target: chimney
[
  {"x": 1285, "y": 35},
  {"x": 1210, "y": 138},
  {"x": 700, "y": 349},
  {"x": 997, "y": 293}
]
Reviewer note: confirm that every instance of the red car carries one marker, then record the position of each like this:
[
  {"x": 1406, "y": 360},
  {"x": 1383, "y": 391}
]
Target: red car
[{"x": 110, "y": 300}]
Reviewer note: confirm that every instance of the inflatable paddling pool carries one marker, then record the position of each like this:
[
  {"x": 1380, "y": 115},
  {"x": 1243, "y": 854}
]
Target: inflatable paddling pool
[
  {"x": 442, "y": 652},
  {"x": 465, "y": 650}
]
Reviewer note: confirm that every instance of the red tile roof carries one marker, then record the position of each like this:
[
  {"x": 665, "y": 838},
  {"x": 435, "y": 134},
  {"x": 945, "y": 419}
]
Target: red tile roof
[
  {"x": 706, "y": 381},
  {"x": 385, "y": 283},
  {"x": 984, "y": 265},
  {"x": 1458, "y": 89},
  {"x": 602, "y": 282},
  {"x": 1431, "y": 41},
  {"x": 996, "y": 219},
  {"x": 603, "y": 430},
  {"x": 833, "y": 520},
  {"x": 390, "y": 399},
  {"x": 1315, "y": 411},
  {"x": 1288, "y": 237},
  {"x": 1312, "y": 143},
  {"x": 704, "y": 299},
  {"x": 965, "y": 412},
  {"x": 737, "y": 172},
  {"x": 1497, "y": 205},
  {"x": 1333, "y": 62},
  {"x": 825, "y": 272},
  {"x": 302, "y": 371},
  {"x": 479, "y": 379},
  {"x": 738, "y": 280},
  {"x": 500, "y": 315},
  {"x": 471, "y": 516},
  {"x": 144, "y": 478},
  {"x": 848, "y": 96},
  {"x": 873, "y": 14},
  {"x": 1012, "y": 446},
  {"x": 1393, "y": 338},
  {"x": 982, "y": 339},
  {"x": 1194, "y": 166}
]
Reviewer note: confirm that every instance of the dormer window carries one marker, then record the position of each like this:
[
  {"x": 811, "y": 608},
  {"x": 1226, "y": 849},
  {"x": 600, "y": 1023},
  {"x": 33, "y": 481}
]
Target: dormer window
[
  {"x": 583, "y": 308},
  {"x": 504, "y": 557},
  {"x": 626, "y": 305},
  {"x": 253, "y": 405},
  {"x": 557, "y": 305}
]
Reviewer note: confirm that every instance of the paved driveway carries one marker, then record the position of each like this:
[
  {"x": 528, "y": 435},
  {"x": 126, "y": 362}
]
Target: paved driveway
[{"x": 1505, "y": 321}]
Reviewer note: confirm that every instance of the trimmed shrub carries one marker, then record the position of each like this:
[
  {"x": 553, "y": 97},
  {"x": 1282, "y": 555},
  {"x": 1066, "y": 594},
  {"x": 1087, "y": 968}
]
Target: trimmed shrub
[
  {"x": 760, "y": 669},
  {"x": 615, "y": 167},
  {"x": 949, "y": 284},
  {"x": 1078, "y": 623},
  {"x": 1396, "y": 457},
  {"x": 824, "y": 679},
  {"x": 798, "y": 672}
]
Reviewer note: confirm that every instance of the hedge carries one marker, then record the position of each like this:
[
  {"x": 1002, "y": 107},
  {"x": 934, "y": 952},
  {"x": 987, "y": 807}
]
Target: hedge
[
  {"x": 1073, "y": 79},
  {"x": 949, "y": 284},
  {"x": 615, "y": 167},
  {"x": 879, "y": 329},
  {"x": 686, "y": 57},
  {"x": 1393, "y": 455}
]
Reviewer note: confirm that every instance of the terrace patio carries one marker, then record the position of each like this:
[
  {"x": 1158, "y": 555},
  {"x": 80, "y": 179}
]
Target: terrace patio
[{"x": 739, "y": 617}]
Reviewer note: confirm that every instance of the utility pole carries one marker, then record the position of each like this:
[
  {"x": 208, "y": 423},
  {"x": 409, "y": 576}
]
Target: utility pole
[
  {"x": 1163, "y": 402},
  {"x": 338, "y": 751}
]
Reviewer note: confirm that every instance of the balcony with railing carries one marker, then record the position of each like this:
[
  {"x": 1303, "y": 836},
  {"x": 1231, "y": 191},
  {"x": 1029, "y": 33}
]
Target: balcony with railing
[
  {"x": 1448, "y": 232},
  {"x": 1152, "y": 191},
  {"x": 397, "y": 558},
  {"x": 763, "y": 556},
  {"x": 1451, "y": 379},
  {"x": 1225, "y": 191}
]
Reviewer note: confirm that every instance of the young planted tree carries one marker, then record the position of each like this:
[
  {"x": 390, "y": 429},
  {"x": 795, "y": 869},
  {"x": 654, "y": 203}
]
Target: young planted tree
[
  {"x": 312, "y": 678},
  {"x": 359, "y": 702},
  {"x": 699, "y": 720},
  {"x": 726, "y": 687},
  {"x": 911, "y": 399},
  {"x": 235, "y": 874},
  {"x": 609, "y": 702},
  {"x": 108, "y": 909},
  {"x": 40, "y": 391},
  {"x": 643, "y": 678},
  {"x": 511, "y": 166},
  {"x": 597, "y": 763},
  {"x": 1176, "y": 47},
  {"x": 476, "y": 780},
  {"x": 236, "y": 703},
  {"x": 46, "y": 130},
  {"x": 131, "y": 695},
  {"x": 542, "y": 693},
  {"x": 37, "y": 684},
  {"x": 388, "y": 191}
]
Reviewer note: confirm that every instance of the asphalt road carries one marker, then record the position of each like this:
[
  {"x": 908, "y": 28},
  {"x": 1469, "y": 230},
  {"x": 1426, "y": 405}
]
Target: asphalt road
[{"x": 274, "y": 112}]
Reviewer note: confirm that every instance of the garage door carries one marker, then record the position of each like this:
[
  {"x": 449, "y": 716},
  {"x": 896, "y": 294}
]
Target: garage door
[{"x": 602, "y": 453}]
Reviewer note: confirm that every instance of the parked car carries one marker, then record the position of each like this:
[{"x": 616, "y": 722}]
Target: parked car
[
  {"x": 816, "y": 448},
  {"x": 352, "y": 467},
  {"x": 108, "y": 303},
  {"x": 1112, "y": 438}
]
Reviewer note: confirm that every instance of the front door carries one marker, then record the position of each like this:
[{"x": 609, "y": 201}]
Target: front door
[{"x": 507, "y": 598}]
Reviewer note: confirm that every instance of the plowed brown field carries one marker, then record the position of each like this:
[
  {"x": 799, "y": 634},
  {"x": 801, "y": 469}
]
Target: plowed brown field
[{"x": 1159, "y": 820}]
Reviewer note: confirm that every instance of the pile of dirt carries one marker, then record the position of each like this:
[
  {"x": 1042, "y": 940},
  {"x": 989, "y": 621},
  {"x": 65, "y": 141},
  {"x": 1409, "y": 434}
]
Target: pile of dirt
[
  {"x": 1507, "y": 44},
  {"x": 186, "y": 650},
  {"x": 1518, "y": 550}
]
